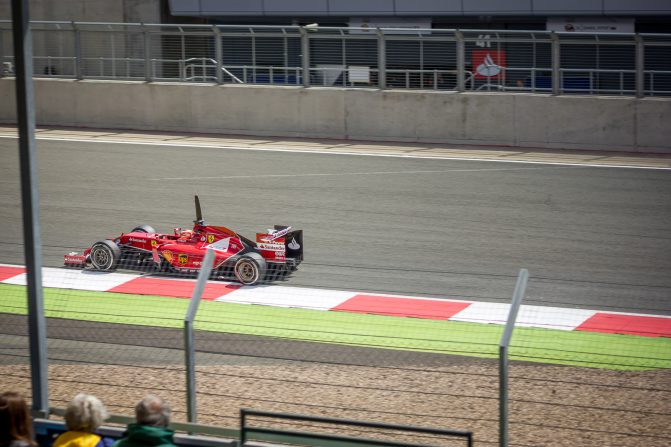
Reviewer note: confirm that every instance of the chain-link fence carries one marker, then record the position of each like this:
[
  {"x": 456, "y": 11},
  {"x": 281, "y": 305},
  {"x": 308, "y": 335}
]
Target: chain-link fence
[
  {"x": 120, "y": 336},
  {"x": 433, "y": 59}
]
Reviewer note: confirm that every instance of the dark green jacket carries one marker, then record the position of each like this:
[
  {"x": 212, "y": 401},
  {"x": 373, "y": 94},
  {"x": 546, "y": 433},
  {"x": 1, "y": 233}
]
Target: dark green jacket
[{"x": 145, "y": 435}]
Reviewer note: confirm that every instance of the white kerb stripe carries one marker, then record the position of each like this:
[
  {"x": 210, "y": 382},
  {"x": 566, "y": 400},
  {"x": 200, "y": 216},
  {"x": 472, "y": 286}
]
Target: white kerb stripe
[
  {"x": 76, "y": 279},
  {"x": 530, "y": 316},
  {"x": 288, "y": 297}
]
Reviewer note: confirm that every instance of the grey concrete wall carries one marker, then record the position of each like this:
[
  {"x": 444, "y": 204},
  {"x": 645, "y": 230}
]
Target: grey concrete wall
[
  {"x": 147, "y": 11},
  {"x": 516, "y": 119}
]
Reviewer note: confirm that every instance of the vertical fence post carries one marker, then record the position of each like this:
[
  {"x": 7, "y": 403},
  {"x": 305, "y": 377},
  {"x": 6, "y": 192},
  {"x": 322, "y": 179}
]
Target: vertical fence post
[
  {"x": 218, "y": 54},
  {"x": 243, "y": 425},
  {"x": 2, "y": 54},
  {"x": 381, "y": 60},
  {"x": 78, "y": 52},
  {"x": 556, "y": 63},
  {"x": 189, "y": 346},
  {"x": 147, "y": 54},
  {"x": 518, "y": 294},
  {"x": 305, "y": 56},
  {"x": 30, "y": 200},
  {"x": 640, "y": 66},
  {"x": 461, "y": 61}
]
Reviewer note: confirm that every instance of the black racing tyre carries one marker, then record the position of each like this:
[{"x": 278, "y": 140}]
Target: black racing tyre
[
  {"x": 105, "y": 255},
  {"x": 143, "y": 229},
  {"x": 250, "y": 269}
]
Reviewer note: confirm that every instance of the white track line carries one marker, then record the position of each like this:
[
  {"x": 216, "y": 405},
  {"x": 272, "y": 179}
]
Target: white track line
[
  {"x": 352, "y": 152},
  {"x": 337, "y": 174}
]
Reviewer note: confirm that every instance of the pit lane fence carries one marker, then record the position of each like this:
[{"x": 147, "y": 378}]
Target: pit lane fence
[{"x": 383, "y": 58}]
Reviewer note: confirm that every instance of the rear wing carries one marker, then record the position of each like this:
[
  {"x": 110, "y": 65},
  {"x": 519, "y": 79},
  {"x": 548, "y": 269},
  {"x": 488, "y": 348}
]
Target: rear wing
[{"x": 293, "y": 243}]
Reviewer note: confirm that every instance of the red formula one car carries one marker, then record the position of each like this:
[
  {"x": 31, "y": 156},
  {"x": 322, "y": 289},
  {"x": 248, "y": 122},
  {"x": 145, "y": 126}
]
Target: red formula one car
[{"x": 275, "y": 253}]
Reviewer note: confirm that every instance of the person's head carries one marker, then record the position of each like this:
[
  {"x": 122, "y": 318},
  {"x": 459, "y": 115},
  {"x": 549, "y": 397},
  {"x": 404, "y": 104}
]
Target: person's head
[
  {"x": 15, "y": 421},
  {"x": 185, "y": 235},
  {"x": 152, "y": 410},
  {"x": 85, "y": 413}
]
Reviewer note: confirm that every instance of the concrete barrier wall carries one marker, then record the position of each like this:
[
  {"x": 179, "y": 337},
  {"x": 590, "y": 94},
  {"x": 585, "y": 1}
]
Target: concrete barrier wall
[{"x": 523, "y": 120}]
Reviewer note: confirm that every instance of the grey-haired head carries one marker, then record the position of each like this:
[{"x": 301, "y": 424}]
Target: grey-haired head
[
  {"x": 85, "y": 413},
  {"x": 154, "y": 411}
]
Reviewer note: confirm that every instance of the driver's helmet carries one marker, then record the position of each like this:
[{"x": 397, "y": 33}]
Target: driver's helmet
[{"x": 185, "y": 235}]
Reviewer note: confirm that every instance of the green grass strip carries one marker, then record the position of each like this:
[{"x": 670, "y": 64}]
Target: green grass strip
[{"x": 589, "y": 349}]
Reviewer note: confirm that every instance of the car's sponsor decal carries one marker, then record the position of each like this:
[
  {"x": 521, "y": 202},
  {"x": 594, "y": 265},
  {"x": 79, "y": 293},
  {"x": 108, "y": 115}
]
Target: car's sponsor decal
[
  {"x": 273, "y": 235},
  {"x": 167, "y": 254},
  {"x": 226, "y": 244},
  {"x": 75, "y": 258},
  {"x": 294, "y": 245},
  {"x": 154, "y": 243},
  {"x": 183, "y": 258},
  {"x": 211, "y": 238},
  {"x": 273, "y": 247}
]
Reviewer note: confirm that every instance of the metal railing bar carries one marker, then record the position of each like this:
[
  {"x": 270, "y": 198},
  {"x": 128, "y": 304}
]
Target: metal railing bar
[
  {"x": 352, "y": 422},
  {"x": 328, "y": 437}
]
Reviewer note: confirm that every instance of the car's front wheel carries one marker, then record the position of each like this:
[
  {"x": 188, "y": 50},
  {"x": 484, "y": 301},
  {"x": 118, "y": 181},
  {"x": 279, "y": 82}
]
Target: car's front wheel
[
  {"x": 105, "y": 255},
  {"x": 250, "y": 269}
]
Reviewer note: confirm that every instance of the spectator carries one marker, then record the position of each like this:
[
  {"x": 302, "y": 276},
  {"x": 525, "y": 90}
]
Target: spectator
[
  {"x": 82, "y": 417},
  {"x": 16, "y": 426},
  {"x": 152, "y": 416}
]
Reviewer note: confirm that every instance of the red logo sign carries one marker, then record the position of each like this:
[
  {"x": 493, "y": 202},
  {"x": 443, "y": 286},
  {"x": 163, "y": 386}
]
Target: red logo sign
[{"x": 489, "y": 64}]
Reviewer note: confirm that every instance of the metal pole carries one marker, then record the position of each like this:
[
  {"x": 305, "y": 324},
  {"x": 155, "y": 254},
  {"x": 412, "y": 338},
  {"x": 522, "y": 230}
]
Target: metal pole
[
  {"x": 518, "y": 294},
  {"x": 23, "y": 52},
  {"x": 189, "y": 347},
  {"x": 343, "y": 51},
  {"x": 381, "y": 60},
  {"x": 461, "y": 61},
  {"x": 218, "y": 54},
  {"x": 2, "y": 55},
  {"x": 305, "y": 56},
  {"x": 640, "y": 66},
  {"x": 243, "y": 424},
  {"x": 147, "y": 55},
  {"x": 556, "y": 63},
  {"x": 78, "y": 52}
]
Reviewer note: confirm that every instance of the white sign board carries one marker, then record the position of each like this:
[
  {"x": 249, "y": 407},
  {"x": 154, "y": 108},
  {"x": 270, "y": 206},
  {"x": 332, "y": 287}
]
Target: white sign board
[
  {"x": 359, "y": 74},
  {"x": 361, "y": 25},
  {"x": 590, "y": 25}
]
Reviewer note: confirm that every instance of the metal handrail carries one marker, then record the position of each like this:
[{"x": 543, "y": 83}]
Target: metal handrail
[
  {"x": 245, "y": 429},
  {"x": 203, "y": 65}
]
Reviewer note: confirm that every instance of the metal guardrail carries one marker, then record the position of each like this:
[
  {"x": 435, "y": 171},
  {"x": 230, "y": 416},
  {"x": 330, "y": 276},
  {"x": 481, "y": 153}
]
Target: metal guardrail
[
  {"x": 295, "y": 437},
  {"x": 428, "y": 59}
]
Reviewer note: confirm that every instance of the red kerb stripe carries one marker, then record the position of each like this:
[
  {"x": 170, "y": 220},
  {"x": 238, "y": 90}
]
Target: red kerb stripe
[
  {"x": 7, "y": 272},
  {"x": 627, "y": 324},
  {"x": 402, "y": 307},
  {"x": 174, "y": 288}
]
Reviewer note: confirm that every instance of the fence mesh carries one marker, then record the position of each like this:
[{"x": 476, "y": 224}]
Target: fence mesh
[
  {"x": 656, "y": 54},
  {"x": 287, "y": 349},
  {"x": 119, "y": 336}
]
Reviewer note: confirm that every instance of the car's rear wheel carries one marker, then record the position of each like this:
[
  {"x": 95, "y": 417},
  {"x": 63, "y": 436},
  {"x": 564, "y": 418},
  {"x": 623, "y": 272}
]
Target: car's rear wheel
[
  {"x": 143, "y": 229},
  {"x": 105, "y": 255},
  {"x": 250, "y": 268}
]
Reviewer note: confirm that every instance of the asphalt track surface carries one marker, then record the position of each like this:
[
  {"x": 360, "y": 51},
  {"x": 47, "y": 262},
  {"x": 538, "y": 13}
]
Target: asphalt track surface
[{"x": 591, "y": 237}]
